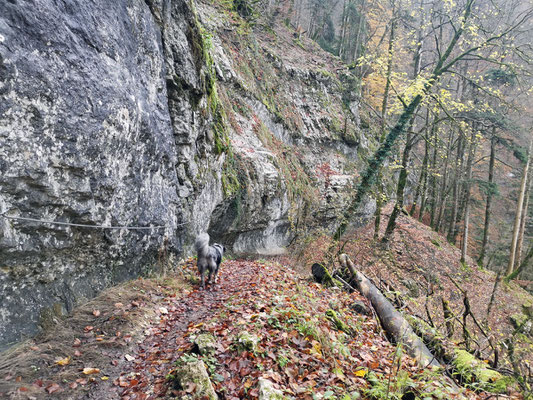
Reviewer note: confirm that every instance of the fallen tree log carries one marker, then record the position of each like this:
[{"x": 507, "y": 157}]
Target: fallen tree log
[
  {"x": 472, "y": 372},
  {"x": 391, "y": 320}
]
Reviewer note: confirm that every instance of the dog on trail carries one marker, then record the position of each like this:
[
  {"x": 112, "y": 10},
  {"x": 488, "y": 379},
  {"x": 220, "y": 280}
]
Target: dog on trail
[{"x": 209, "y": 257}]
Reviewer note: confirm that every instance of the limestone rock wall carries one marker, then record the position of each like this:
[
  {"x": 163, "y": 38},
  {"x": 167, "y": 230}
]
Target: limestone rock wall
[
  {"x": 110, "y": 115},
  {"x": 97, "y": 120}
]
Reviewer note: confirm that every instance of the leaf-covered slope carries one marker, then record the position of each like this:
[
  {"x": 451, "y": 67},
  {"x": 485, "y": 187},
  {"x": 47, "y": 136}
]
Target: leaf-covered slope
[{"x": 420, "y": 269}]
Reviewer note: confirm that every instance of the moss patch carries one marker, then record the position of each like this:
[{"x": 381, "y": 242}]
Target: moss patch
[
  {"x": 339, "y": 323},
  {"x": 193, "y": 374},
  {"x": 247, "y": 341},
  {"x": 477, "y": 375}
]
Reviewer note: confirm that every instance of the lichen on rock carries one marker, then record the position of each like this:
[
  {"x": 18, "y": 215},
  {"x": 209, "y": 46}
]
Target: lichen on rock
[
  {"x": 268, "y": 392},
  {"x": 205, "y": 343},
  {"x": 194, "y": 373}
]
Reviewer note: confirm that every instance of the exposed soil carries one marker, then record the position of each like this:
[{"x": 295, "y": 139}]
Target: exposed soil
[{"x": 97, "y": 335}]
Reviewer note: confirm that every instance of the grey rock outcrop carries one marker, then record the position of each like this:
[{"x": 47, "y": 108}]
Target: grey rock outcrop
[
  {"x": 110, "y": 115},
  {"x": 93, "y": 130}
]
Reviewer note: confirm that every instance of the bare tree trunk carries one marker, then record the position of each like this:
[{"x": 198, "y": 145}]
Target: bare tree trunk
[
  {"x": 359, "y": 29},
  {"x": 523, "y": 224},
  {"x": 461, "y": 199},
  {"x": 402, "y": 181},
  {"x": 379, "y": 206},
  {"x": 456, "y": 179},
  {"x": 385, "y": 103},
  {"x": 468, "y": 178},
  {"x": 423, "y": 196},
  {"x": 433, "y": 180},
  {"x": 342, "y": 39},
  {"x": 489, "y": 198},
  {"x": 525, "y": 262},
  {"x": 423, "y": 172},
  {"x": 298, "y": 13},
  {"x": 444, "y": 185},
  {"x": 518, "y": 215},
  {"x": 457, "y": 188}
]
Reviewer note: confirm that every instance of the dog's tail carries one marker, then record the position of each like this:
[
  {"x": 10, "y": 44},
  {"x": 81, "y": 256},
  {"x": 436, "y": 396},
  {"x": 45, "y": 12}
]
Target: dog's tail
[{"x": 202, "y": 244}]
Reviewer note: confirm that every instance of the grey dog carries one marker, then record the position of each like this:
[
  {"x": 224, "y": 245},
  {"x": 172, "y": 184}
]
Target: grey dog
[{"x": 209, "y": 257}]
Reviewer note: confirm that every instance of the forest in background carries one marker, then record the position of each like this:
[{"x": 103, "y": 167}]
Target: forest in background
[{"x": 456, "y": 75}]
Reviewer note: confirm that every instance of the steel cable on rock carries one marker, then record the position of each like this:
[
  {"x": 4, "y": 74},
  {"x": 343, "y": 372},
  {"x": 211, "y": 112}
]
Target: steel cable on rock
[{"x": 42, "y": 221}]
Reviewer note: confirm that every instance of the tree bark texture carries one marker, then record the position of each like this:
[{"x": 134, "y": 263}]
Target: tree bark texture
[
  {"x": 391, "y": 320},
  {"x": 518, "y": 215}
]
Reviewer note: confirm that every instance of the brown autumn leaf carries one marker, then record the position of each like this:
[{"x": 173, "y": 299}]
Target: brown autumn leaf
[
  {"x": 96, "y": 313},
  {"x": 248, "y": 383},
  {"x": 54, "y": 387},
  {"x": 77, "y": 343}
]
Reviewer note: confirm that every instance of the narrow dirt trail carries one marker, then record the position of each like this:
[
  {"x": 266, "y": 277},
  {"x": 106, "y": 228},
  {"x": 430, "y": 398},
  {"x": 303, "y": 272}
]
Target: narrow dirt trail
[
  {"x": 144, "y": 377},
  {"x": 131, "y": 334}
]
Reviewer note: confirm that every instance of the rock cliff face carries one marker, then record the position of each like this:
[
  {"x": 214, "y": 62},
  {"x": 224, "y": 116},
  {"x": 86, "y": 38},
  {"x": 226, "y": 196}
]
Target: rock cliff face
[{"x": 159, "y": 114}]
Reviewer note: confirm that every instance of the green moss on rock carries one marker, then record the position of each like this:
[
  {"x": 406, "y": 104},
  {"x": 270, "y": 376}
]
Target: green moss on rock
[
  {"x": 477, "y": 375},
  {"x": 247, "y": 341},
  {"x": 206, "y": 343}
]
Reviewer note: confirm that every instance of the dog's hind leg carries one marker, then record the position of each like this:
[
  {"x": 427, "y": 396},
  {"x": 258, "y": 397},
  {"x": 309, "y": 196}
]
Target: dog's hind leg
[
  {"x": 213, "y": 271},
  {"x": 201, "y": 270},
  {"x": 209, "y": 276},
  {"x": 216, "y": 274}
]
